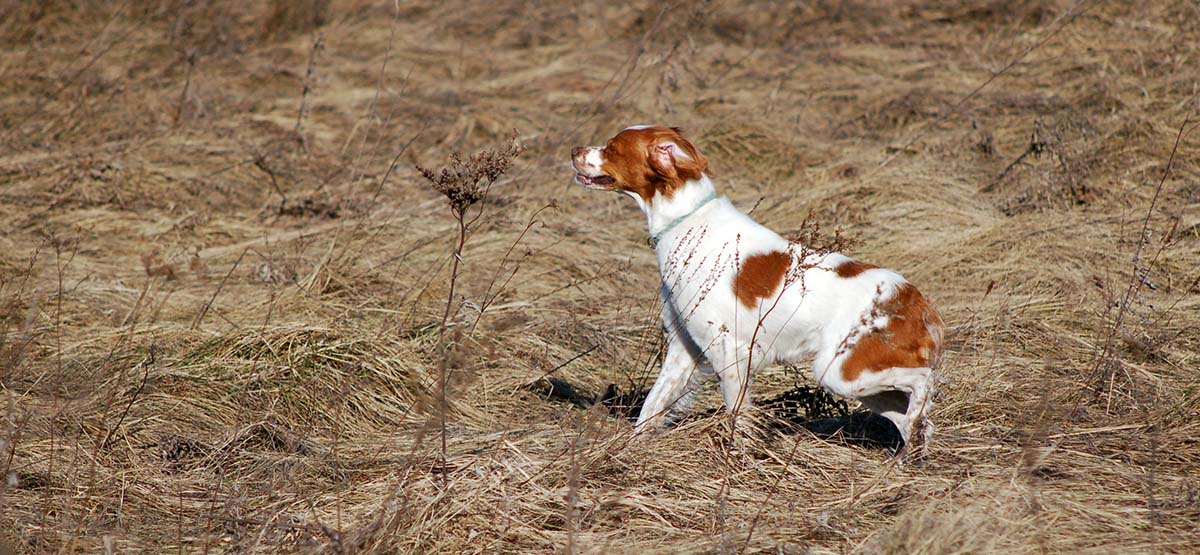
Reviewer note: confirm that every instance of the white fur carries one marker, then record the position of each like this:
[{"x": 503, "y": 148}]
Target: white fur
[
  {"x": 815, "y": 312},
  {"x": 593, "y": 160}
]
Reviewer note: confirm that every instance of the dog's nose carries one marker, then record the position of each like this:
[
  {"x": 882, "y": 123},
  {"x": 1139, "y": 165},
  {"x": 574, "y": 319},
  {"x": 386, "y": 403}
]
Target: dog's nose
[{"x": 575, "y": 151}]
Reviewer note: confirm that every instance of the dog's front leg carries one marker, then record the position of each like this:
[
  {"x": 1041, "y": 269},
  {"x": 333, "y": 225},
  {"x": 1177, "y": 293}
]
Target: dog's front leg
[{"x": 672, "y": 392}]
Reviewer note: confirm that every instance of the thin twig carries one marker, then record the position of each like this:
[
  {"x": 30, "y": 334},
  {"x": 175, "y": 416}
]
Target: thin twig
[
  {"x": 570, "y": 360},
  {"x": 488, "y": 296},
  {"x": 770, "y": 493},
  {"x": 148, "y": 363},
  {"x": 187, "y": 84},
  {"x": 260, "y": 162},
  {"x": 318, "y": 44},
  {"x": 1138, "y": 279},
  {"x": 203, "y": 311}
]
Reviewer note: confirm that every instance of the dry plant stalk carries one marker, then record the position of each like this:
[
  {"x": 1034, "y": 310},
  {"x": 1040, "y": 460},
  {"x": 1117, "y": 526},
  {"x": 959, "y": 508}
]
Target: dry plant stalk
[
  {"x": 462, "y": 182},
  {"x": 309, "y": 74},
  {"x": 189, "y": 56},
  {"x": 1106, "y": 356}
]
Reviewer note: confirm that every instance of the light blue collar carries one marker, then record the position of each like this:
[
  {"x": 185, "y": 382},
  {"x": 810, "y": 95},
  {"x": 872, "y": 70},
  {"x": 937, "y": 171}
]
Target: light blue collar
[{"x": 655, "y": 238}]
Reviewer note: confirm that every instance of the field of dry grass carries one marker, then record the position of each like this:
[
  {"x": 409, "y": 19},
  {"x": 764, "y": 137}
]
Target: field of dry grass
[{"x": 223, "y": 281}]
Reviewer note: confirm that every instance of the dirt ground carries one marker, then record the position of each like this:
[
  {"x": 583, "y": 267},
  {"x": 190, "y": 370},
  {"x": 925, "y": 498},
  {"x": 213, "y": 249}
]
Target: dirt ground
[{"x": 226, "y": 320}]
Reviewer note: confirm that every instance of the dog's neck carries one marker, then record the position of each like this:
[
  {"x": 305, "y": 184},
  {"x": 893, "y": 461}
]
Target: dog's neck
[{"x": 663, "y": 213}]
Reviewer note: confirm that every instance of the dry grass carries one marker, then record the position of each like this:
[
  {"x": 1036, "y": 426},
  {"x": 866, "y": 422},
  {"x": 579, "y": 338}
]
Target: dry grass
[{"x": 222, "y": 277}]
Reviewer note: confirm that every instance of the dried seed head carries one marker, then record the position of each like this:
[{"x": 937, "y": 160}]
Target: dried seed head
[
  {"x": 460, "y": 180},
  {"x": 815, "y": 241}
]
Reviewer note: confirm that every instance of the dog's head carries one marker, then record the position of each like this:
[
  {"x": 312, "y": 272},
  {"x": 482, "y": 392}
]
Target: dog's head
[{"x": 642, "y": 160}]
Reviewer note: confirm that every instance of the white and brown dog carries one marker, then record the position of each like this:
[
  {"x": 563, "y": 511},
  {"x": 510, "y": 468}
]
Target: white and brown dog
[{"x": 737, "y": 295}]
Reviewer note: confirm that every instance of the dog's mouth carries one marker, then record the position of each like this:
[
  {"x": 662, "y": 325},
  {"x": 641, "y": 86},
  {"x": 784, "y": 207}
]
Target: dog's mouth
[{"x": 596, "y": 181}]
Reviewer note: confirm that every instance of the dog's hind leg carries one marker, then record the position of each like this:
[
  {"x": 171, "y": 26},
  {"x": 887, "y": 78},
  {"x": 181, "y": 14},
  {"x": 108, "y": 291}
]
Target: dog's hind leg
[
  {"x": 903, "y": 396},
  {"x": 920, "y": 403}
]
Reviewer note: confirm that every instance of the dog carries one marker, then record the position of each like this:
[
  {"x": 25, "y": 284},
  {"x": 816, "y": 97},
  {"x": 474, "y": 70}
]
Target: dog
[{"x": 738, "y": 296}]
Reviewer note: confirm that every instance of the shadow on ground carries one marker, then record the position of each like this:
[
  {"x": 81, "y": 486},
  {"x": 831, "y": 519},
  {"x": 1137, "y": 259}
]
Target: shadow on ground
[{"x": 807, "y": 408}]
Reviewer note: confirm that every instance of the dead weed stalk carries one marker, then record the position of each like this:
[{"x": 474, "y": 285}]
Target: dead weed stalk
[
  {"x": 464, "y": 183},
  {"x": 1105, "y": 360},
  {"x": 309, "y": 79}
]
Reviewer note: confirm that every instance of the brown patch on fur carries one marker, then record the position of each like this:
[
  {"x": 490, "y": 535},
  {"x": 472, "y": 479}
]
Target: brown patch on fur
[
  {"x": 759, "y": 276},
  {"x": 912, "y": 339},
  {"x": 629, "y": 157},
  {"x": 851, "y": 268}
]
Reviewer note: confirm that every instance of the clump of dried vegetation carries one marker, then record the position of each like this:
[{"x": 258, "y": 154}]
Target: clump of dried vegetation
[
  {"x": 230, "y": 319},
  {"x": 465, "y": 184}
]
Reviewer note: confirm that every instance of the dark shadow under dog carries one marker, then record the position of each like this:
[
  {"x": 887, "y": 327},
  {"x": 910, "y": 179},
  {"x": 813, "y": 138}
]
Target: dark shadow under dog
[{"x": 803, "y": 407}]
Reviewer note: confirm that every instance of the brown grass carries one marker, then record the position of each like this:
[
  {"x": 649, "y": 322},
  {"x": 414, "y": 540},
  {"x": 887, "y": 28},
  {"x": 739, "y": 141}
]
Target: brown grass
[{"x": 222, "y": 277}]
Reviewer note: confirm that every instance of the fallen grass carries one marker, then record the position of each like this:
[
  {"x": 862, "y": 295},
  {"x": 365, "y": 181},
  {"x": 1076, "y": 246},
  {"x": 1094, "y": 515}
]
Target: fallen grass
[{"x": 222, "y": 278}]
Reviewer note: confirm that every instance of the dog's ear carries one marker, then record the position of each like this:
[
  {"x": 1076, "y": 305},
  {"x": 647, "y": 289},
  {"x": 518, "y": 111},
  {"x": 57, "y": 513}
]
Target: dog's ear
[{"x": 676, "y": 158}]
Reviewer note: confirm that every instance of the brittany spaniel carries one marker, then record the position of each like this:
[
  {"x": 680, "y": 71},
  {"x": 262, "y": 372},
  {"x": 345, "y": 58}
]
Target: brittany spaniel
[{"x": 737, "y": 296}]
